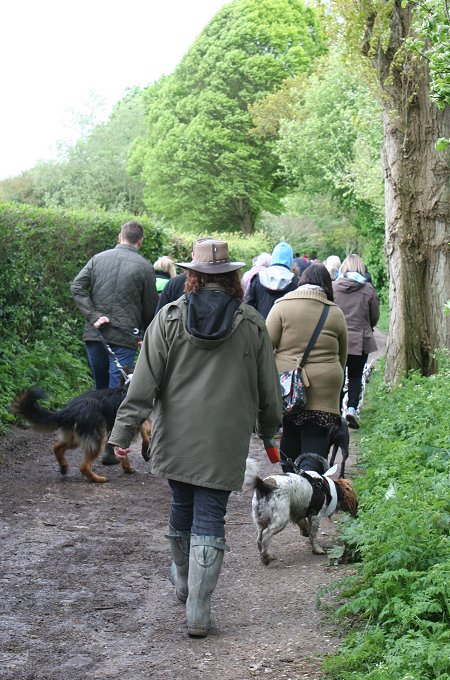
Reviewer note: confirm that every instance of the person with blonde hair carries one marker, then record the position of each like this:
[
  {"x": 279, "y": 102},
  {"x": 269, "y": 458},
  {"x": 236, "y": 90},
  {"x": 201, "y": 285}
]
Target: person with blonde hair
[
  {"x": 357, "y": 298},
  {"x": 165, "y": 270}
]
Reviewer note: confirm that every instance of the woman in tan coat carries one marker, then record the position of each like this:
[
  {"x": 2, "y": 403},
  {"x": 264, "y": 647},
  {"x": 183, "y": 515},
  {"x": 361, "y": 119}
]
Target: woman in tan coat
[{"x": 291, "y": 323}]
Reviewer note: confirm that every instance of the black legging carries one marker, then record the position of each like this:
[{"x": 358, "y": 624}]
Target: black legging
[
  {"x": 306, "y": 438},
  {"x": 355, "y": 368}
]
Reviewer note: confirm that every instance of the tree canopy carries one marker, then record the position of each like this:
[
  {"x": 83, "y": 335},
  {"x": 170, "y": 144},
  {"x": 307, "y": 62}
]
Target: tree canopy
[
  {"x": 92, "y": 173},
  {"x": 331, "y": 144},
  {"x": 200, "y": 165}
]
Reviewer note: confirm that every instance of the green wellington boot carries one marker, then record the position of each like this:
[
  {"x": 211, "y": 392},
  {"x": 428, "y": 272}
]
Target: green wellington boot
[
  {"x": 205, "y": 563},
  {"x": 178, "y": 571}
]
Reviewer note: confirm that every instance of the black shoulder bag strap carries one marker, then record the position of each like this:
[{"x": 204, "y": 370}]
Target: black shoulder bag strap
[{"x": 315, "y": 335}]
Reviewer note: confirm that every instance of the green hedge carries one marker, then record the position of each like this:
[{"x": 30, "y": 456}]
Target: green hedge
[
  {"x": 399, "y": 599},
  {"x": 40, "y": 327}
]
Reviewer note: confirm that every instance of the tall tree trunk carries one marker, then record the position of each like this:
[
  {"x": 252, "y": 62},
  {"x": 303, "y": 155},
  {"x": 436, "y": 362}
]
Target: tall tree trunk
[
  {"x": 241, "y": 208},
  {"x": 417, "y": 190}
]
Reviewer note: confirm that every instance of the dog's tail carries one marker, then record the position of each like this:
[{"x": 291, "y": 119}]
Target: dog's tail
[
  {"x": 251, "y": 471},
  {"x": 26, "y": 405},
  {"x": 263, "y": 487}
]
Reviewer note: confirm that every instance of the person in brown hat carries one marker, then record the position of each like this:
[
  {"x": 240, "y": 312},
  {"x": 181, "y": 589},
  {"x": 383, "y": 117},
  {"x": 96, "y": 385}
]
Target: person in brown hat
[{"x": 206, "y": 371}]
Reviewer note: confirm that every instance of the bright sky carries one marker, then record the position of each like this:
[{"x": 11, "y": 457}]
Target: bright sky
[{"x": 56, "y": 55}]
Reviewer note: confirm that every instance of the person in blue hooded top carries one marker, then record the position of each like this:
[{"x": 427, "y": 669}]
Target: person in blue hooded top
[{"x": 274, "y": 282}]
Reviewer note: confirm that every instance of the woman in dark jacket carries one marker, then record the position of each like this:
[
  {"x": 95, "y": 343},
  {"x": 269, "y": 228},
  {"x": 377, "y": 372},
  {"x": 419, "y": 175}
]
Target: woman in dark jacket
[
  {"x": 359, "y": 302},
  {"x": 274, "y": 281}
]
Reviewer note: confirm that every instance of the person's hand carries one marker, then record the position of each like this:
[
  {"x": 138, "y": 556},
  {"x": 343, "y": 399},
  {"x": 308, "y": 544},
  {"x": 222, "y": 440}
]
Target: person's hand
[
  {"x": 101, "y": 321},
  {"x": 272, "y": 450},
  {"x": 120, "y": 452}
]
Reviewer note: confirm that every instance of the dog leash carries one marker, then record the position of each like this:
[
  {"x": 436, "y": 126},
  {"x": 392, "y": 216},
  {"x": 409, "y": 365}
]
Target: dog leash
[
  {"x": 136, "y": 333},
  {"x": 288, "y": 461}
]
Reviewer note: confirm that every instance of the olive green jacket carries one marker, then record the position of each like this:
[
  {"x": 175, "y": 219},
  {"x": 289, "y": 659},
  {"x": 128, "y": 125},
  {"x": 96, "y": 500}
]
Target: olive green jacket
[
  {"x": 206, "y": 397},
  {"x": 120, "y": 284}
]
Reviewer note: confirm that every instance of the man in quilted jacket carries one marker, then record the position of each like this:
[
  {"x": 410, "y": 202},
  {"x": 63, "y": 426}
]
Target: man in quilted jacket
[{"x": 116, "y": 292}]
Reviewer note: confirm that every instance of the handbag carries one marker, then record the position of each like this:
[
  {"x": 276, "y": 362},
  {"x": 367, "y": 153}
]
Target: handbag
[{"x": 293, "y": 393}]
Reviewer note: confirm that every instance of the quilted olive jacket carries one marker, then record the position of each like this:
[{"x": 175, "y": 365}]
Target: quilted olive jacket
[{"x": 120, "y": 284}]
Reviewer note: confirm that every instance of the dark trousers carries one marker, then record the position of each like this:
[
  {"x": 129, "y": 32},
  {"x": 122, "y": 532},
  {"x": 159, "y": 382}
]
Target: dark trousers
[
  {"x": 306, "y": 438},
  {"x": 103, "y": 369},
  {"x": 198, "y": 509},
  {"x": 355, "y": 368}
]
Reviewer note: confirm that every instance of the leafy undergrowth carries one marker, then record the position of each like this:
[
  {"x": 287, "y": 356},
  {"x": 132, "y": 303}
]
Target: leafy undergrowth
[
  {"x": 397, "y": 602},
  {"x": 53, "y": 360}
]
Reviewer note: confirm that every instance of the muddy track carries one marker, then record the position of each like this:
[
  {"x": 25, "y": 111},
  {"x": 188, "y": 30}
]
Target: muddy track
[{"x": 85, "y": 593}]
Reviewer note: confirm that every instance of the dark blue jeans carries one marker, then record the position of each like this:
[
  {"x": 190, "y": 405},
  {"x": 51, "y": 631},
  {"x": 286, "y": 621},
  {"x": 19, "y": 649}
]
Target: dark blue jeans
[
  {"x": 198, "y": 509},
  {"x": 103, "y": 369}
]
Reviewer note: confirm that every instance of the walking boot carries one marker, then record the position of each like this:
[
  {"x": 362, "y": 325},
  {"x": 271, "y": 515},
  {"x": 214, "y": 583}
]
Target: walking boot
[
  {"x": 109, "y": 457},
  {"x": 179, "y": 567},
  {"x": 205, "y": 563},
  {"x": 352, "y": 418}
]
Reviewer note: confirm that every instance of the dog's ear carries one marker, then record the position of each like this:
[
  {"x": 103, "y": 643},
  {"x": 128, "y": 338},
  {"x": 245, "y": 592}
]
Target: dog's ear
[{"x": 346, "y": 496}]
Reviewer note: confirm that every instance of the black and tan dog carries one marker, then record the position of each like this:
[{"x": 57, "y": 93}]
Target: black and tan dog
[{"x": 86, "y": 422}]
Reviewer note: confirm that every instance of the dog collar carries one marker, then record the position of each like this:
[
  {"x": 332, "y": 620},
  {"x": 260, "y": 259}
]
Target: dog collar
[
  {"x": 331, "y": 485},
  {"x": 333, "y": 505}
]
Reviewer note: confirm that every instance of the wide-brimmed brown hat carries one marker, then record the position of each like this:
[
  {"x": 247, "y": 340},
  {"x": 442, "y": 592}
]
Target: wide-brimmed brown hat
[{"x": 211, "y": 257}]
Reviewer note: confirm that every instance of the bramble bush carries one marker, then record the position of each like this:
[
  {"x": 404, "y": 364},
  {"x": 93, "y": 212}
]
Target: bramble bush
[
  {"x": 398, "y": 601},
  {"x": 40, "y": 327}
]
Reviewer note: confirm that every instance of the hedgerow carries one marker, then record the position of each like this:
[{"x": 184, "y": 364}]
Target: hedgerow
[
  {"x": 40, "y": 327},
  {"x": 398, "y": 600}
]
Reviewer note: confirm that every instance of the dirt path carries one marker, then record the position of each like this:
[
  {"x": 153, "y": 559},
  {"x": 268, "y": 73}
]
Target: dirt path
[{"x": 85, "y": 593}]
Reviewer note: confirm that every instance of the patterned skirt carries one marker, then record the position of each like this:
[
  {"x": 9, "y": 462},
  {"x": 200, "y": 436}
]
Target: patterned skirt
[{"x": 318, "y": 418}]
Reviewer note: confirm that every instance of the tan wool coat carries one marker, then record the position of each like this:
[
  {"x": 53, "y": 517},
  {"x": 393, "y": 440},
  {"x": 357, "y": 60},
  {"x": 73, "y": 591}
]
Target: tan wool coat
[{"x": 291, "y": 323}]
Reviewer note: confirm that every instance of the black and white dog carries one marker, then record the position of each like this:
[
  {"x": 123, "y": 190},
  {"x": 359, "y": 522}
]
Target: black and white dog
[{"x": 302, "y": 498}]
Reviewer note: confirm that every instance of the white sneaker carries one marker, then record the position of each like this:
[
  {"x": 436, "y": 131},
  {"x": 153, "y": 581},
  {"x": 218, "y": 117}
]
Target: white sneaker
[{"x": 352, "y": 418}]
